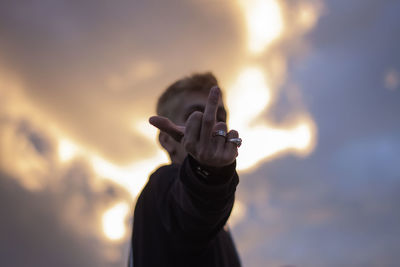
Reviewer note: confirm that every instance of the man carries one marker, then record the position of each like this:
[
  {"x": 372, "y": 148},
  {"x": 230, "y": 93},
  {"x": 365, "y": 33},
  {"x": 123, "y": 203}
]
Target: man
[{"x": 181, "y": 213}]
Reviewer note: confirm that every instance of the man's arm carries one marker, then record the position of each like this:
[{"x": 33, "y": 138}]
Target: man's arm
[
  {"x": 198, "y": 203},
  {"x": 193, "y": 207}
]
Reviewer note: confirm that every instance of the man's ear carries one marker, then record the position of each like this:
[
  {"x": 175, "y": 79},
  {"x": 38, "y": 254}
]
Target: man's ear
[{"x": 167, "y": 143}]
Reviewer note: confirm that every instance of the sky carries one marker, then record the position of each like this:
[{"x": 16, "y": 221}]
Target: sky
[{"x": 313, "y": 87}]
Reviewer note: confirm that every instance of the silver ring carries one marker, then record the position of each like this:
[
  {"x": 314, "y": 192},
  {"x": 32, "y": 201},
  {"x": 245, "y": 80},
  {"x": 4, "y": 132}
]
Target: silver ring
[
  {"x": 219, "y": 133},
  {"x": 236, "y": 141}
]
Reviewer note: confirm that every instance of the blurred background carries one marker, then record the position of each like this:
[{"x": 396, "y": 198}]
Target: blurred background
[{"x": 313, "y": 87}]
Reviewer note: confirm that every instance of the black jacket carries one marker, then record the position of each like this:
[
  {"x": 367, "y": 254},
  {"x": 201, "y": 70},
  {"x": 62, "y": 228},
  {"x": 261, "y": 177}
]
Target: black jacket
[{"x": 180, "y": 216}]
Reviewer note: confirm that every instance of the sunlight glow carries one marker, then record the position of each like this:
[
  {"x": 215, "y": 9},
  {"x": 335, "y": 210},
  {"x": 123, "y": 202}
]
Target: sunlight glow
[
  {"x": 131, "y": 177},
  {"x": 250, "y": 95},
  {"x": 301, "y": 136},
  {"x": 114, "y": 221},
  {"x": 250, "y": 87},
  {"x": 66, "y": 150},
  {"x": 261, "y": 140},
  {"x": 307, "y": 16},
  {"x": 145, "y": 129},
  {"x": 264, "y": 22}
]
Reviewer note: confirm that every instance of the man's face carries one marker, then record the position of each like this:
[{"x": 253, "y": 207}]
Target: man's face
[{"x": 191, "y": 102}]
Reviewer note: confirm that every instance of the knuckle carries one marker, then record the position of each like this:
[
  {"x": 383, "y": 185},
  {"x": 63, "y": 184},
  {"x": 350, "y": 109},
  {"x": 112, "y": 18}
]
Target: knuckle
[
  {"x": 234, "y": 133},
  {"x": 208, "y": 120},
  {"x": 220, "y": 126},
  {"x": 195, "y": 116}
]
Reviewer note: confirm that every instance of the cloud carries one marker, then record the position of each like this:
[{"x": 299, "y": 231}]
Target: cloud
[
  {"x": 336, "y": 207},
  {"x": 56, "y": 227},
  {"x": 91, "y": 72},
  {"x": 51, "y": 211},
  {"x": 337, "y": 210},
  {"x": 68, "y": 57}
]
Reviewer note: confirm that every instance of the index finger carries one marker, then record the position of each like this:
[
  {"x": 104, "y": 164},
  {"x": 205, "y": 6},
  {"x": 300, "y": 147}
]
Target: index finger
[
  {"x": 167, "y": 126},
  {"x": 210, "y": 113}
]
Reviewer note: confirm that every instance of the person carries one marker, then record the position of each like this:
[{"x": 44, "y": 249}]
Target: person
[{"x": 180, "y": 215}]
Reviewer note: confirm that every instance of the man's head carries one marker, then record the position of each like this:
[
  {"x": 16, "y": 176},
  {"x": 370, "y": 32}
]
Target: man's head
[{"x": 179, "y": 100}]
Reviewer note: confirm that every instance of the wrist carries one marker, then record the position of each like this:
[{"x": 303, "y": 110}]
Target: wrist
[{"x": 211, "y": 174}]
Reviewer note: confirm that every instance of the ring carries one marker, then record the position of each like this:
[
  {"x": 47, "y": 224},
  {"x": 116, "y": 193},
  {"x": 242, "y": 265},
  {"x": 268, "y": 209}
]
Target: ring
[
  {"x": 219, "y": 133},
  {"x": 236, "y": 141}
]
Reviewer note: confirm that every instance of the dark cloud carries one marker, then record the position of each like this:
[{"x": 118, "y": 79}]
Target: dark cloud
[
  {"x": 51, "y": 214},
  {"x": 48, "y": 228},
  {"x": 38, "y": 141},
  {"x": 327, "y": 210},
  {"x": 336, "y": 207}
]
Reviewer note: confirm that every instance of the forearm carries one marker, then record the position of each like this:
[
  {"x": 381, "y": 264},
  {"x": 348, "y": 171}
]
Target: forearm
[{"x": 199, "y": 208}]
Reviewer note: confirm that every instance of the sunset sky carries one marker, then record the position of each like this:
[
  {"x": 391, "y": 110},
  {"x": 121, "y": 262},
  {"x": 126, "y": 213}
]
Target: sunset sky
[{"x": 312, "y": 86}]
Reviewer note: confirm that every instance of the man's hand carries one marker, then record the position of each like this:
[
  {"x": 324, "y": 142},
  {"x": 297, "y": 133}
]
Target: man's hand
[{"x": 197, "y": 134}]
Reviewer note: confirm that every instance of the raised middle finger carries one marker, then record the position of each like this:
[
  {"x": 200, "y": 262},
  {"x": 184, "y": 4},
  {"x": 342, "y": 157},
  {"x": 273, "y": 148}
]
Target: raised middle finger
[{"x": 209, "y": 115}]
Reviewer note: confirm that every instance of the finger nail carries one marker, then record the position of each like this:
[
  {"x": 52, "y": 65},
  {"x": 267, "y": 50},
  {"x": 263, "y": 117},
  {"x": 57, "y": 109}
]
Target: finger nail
[
  {"x": 215, "y": 91},
  {"x": 152, "y": 119}
]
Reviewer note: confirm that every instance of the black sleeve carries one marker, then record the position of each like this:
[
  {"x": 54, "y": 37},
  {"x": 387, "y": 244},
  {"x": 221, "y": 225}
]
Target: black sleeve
[{"x": 196, "y": 205}]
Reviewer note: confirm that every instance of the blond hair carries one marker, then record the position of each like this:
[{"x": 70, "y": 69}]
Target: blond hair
[{"x": 169, "y": 102}]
